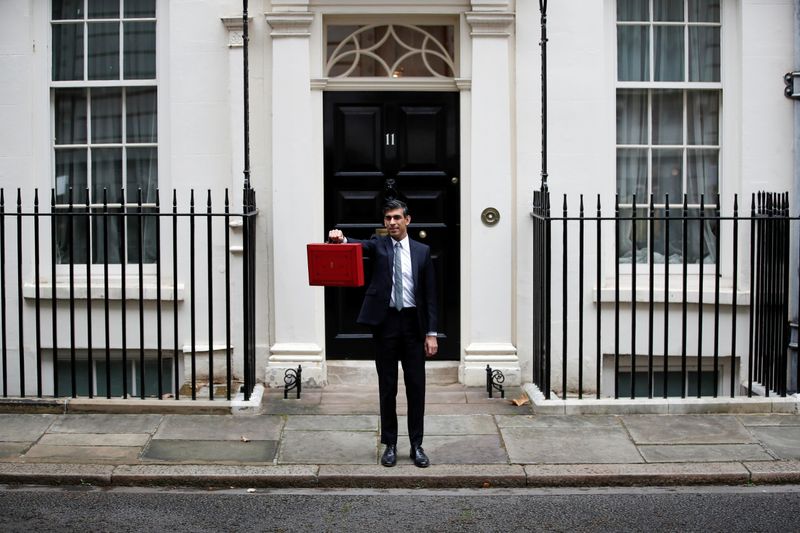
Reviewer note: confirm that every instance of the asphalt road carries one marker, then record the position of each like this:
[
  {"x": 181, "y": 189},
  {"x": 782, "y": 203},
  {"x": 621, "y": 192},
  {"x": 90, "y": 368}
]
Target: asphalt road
[{"x": 774, "y": 509}]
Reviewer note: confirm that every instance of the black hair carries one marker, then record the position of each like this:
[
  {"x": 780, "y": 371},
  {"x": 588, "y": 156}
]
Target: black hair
[{"x": 395, "y": 204}]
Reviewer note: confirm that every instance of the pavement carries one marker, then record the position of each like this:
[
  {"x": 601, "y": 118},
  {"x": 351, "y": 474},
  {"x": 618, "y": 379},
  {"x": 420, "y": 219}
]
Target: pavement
[{"x": 331, "y": 438}]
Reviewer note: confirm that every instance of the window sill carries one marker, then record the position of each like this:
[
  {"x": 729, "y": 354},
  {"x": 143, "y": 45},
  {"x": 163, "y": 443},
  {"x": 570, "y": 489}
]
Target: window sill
[
  {"x": 607, "y": 294},
  {"x": 98, "y": 290}
]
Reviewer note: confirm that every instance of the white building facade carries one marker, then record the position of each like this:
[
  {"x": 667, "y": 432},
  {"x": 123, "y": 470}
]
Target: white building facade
[{"x": 644, "y": 96}]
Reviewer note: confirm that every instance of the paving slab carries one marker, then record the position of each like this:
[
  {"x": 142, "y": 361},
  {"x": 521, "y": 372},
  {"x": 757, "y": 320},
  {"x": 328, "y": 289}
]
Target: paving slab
[
  {"x": 24, "y": 427},
  {"x": 703, "y": 453},
  {"x": 193, "y": 451},
  {"x": 647, "y": 474},
  {"x": 774, "y": 472},
  {"x": 217, "y": 475},
  {"x": 784, "y": 442},
  {"x": 332, "y": 423},
  {"x": 55, "y": 474},
  {"x": 557, "y": 421},
  {"x": 495, "y": 408},
  {"x": 95, "y": 439},
  {"x": 770, "y": 420},
  {"x": 453, "y": 425},
  {"x": 458, "y": 450},
  {"x": 447, "y": 397},
  {"x": 83, "y": 454},
  {"x": 687, "y": 429},
  {"x": 328, "y": 447},
  {"x": 13, "y": 450},
  {"x": 435, "y": 476},
  {"x": 105, "y": 423},
  {"x": 358, "y": 397},
  {"x": 569, "y": 445},
  {"x": 321, "y": 409},
  {"x": 210, "y": 427}
]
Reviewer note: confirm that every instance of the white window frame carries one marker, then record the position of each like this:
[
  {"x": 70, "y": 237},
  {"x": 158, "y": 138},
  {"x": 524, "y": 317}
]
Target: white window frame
[
  {"x": 727, "y": 36},
  {"x": 115, "y": 269}
]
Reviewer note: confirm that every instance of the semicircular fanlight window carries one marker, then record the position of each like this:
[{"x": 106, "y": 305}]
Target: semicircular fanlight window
[{"x": 390, "y": 50}]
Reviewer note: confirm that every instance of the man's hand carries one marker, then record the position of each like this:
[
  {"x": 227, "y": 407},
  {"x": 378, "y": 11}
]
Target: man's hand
[
  {"x": 335, "y": 236},
  {"x": 431, "y": 346}
]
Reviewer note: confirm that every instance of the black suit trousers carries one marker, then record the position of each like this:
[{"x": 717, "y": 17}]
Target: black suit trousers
[{"x": 397, "y": 339}]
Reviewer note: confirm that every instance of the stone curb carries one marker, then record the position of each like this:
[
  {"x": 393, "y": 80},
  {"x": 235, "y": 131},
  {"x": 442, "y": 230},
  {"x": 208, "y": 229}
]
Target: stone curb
[
  {"x": 408, "y": 476},
  {"x": 774, "y": 472},
  {"x": 217, "y": 475},
  {"x": 403, "y": 476},
  {"x": 56, "y": 474},
  {"x": 659, "y": 474}
]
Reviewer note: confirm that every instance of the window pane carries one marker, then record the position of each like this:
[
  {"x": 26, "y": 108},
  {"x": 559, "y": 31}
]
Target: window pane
[
  {"x": 632, "y": 117},
  {"x": 634, "y": 10},
  {"x": 67, "y": 9},
  {"x": 631, "y": 174},
  {"x": 140, "y": 50},
  {"x": 70, "y": 166},
  {"x": 702, "y": 175},
  {"x": 70, "y": 116},
  {"x": 106, "y": 170},
  {"x": 67, "y": 52},
  {"x": 107, "y": 115},
  {"x": 104, "y": 51},
  {"x": 114, "y": 235},
  {"x": 668, "y": 175},
  {"x": 668, "y": 10},
  {"x": 668, "y": 53},
  {"x": 140, "y": 105},
  {"x": 107, "y": 173},
  {"x": 667, "y": 117},
  {"x": 633, "y": 57},
  {"x": 704, "y": 53},
  {"x": 140, "y": 8},
  {"x": 103, "y": 9},
  {"x": 142, "y": 174},
  {"x": 703, "y": 117},
  {"x": 703, "y": 10}
]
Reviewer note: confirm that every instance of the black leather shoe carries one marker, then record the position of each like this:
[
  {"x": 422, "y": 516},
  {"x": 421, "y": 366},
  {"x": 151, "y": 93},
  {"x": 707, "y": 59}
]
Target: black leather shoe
[
  {"x": 389, "y": 457},
  {"x": 418, "y": 456}
]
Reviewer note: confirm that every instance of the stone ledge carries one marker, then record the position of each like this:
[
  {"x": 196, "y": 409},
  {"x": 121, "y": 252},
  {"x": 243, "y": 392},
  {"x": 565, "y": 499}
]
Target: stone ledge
[
  {"x": 217, "y": 475},
  {"x": 33, "y": 406},
  {"x": 584, "y": 475},
  {"x": 659, "y": 406},
  {"x": 435, "y": 476}
]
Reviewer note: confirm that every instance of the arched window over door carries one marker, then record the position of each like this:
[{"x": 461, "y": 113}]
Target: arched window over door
[{"x": 390, "y": 51}]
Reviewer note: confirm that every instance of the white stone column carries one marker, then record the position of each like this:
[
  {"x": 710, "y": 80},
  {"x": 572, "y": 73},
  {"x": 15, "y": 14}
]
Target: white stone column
[
  {"x": 490, "y": 286},
  {"x": 296, "y": 213}
]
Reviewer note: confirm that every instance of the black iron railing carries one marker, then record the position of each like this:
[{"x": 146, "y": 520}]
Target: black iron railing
[
  {"x": 99, "y": 253},
  {"x": 653, "y": 244}
]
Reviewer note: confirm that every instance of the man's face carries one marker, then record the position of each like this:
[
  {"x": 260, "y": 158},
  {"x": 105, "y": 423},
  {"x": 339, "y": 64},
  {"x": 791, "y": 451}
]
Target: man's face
[{"x": 396, "y": 223}]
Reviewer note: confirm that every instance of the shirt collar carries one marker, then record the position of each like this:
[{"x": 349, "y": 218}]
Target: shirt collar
[{"x": 403, "y": 242}]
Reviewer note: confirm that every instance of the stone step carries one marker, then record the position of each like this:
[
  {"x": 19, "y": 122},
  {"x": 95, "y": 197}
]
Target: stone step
[{"x": 362, "y": 373}]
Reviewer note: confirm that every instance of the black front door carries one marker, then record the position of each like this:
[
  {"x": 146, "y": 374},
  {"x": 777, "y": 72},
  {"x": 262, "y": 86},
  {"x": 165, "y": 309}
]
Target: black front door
[{"x": 397, "y": 143}]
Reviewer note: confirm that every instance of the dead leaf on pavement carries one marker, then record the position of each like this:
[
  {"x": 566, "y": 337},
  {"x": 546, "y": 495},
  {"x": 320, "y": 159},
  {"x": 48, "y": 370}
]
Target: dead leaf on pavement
[
  {"x": 245, "y": 439},
  {"x": 522, "y": 400}
]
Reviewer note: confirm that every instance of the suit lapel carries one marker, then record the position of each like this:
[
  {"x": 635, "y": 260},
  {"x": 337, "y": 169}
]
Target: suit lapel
[{"x": 412, "y": 246}]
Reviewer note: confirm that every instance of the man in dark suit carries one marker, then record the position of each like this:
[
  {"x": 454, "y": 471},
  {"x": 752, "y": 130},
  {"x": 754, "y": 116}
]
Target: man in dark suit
[{"x": 400, "y": 308}]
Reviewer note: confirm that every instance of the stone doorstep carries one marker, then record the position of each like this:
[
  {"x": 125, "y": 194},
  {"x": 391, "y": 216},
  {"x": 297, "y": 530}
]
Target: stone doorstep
[
  {"x": 402, "y": 476},
  {"x": 659, "y": 406}
]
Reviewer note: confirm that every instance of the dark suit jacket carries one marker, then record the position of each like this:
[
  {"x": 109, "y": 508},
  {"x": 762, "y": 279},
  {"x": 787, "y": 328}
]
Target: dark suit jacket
[{"x": 378, "y": 294}]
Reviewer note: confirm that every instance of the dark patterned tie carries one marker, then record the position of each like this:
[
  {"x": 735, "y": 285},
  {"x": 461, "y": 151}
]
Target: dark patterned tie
[{"x": 398, "y": 276}]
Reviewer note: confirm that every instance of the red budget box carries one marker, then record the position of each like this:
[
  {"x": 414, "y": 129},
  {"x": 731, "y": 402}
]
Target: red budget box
[{"x": 335, "y": 265}]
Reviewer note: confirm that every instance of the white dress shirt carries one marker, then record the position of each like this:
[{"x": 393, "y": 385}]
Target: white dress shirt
[{"x": 408, "y": 276}]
